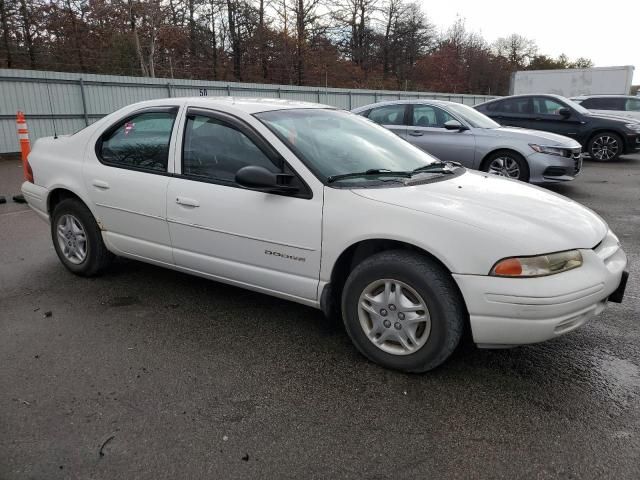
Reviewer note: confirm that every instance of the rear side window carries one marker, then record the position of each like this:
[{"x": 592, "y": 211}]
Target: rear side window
[
  {"x": 215, "y": 150},
  {"x": 140, "y": 142},
  {"x": 388, "y": 115},
  {"x": 516, "y": 105},
  {"x": 604, "y": 103}
]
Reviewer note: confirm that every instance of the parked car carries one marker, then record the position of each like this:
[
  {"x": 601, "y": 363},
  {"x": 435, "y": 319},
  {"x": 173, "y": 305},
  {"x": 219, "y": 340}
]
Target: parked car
[
  {"x": 619, "y": 105},
  {"x": 455, "y": 132},
  {"x": 605, "y": 138},
  {"x": 325, "y": 208}
]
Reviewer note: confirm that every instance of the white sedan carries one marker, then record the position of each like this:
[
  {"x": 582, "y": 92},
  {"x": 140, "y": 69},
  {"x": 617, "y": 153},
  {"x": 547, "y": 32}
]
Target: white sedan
[{"x": 322, "y": 207}]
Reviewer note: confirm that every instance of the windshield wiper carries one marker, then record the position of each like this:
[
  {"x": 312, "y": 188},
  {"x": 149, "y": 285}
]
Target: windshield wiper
[
  {"x": 437, "y": 167},
  {"x": 370, "y": 172}
]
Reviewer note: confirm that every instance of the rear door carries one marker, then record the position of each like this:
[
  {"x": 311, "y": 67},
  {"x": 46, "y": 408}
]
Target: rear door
[
  {"x": 126, "y": 175},
  {"x": 512, "y": 112},
  {"x": 392, "y": 117},
  {"x": 426, "y": 131},
  {"x": 547, "y": 118}
]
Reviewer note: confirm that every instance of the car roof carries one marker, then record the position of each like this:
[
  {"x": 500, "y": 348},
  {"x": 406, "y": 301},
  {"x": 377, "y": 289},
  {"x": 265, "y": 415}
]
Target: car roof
[
  {"x": 608, "y": 95},
  {"x": 243, "y": 104},
  {"x": 426, "y": 101},
  {"x": 524, "y": 95}
]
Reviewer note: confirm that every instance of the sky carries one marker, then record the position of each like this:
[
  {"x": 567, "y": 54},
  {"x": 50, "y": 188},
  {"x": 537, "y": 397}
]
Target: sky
[{"x": 608, "y": 33}]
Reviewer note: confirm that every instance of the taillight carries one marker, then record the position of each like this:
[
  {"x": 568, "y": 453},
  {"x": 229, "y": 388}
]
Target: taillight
[{"x": 28, "y": 174}]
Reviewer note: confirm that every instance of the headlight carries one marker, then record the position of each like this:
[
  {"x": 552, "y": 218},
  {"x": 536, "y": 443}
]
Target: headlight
[
  {"x": 538, "y": 266},
  {"x": 633, "y": 126},
  {"x": 548, "y": 150}
]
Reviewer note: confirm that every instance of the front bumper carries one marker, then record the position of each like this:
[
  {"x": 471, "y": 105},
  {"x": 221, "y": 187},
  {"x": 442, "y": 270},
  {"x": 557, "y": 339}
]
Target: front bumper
[
  {"x": 545, "y": 168},
  {"x": 515, "y": 311},
  {"x": 633, "y": 143}
]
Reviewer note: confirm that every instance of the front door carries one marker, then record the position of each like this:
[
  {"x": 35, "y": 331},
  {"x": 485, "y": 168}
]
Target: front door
[
  {"x": 426, "y": 131},
  {"x": 547, "y": 118},
  {"x": 126, "y": 176},
  {"x": 266, "y": 241}
]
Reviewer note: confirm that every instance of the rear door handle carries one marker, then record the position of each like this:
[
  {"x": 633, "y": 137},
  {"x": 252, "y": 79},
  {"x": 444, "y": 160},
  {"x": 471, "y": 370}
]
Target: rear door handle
[
  {"x": 187, "y": 202},
  {"x": 101, "y": 184},
  {"x": 416, "y": 133}
]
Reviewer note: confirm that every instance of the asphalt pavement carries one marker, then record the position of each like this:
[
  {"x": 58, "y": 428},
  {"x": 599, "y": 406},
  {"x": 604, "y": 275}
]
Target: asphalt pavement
[{"x": 153, "y": 374}]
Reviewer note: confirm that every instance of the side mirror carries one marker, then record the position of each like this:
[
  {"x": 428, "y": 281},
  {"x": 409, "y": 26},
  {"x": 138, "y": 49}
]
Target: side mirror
[
  {"x": 565, "y": 112},
  {"x": 455, "y": 125},
  {"x": 259, "y": 178}
]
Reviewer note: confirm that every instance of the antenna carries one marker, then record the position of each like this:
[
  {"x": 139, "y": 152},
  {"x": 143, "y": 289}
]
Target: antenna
[{"x": 53, "y": 120}]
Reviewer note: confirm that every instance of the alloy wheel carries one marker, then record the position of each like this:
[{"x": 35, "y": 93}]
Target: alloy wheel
[
  {"x": 72, "y": 239},
  {"x": 504, "y": 167},
  {"x": 605, "y": 147}
]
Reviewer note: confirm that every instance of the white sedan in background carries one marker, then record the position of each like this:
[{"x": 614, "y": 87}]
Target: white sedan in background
[{"x": 322, "y": 207}]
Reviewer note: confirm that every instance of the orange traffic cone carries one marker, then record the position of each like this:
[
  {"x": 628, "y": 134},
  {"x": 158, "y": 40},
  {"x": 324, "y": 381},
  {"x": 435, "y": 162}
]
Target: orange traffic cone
[{"x": 25, "y": 146}]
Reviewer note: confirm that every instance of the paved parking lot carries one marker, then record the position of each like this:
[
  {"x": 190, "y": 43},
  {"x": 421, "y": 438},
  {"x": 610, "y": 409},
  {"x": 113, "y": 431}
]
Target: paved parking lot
[{"x": 149, "y": 373}]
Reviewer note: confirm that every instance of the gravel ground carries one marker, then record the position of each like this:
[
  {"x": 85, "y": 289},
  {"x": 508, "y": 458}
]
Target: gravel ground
[{"x": 149, "y": 373}]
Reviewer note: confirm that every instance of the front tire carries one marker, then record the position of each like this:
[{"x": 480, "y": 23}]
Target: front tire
[
  {"x": 605, "y": 147},
  {"x": 403, "y": 311},
  {"x": 507, "y": 164},
  {"x": 77, "y": 239}
]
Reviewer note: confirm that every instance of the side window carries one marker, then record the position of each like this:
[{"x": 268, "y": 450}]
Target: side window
[
  {"x": 494, "y": 106},
  {"x": 388, "y": 115},
  {"x": 215, "y": 150},
  {"x": 429, "y": 116},
  {"x": 141, "y": 142},
  {"x": 633, "y": 105},
  {"x": 604, "y": 103},
  {"x": 547, "y": 106},
  {"x": 516, "y": 105}
]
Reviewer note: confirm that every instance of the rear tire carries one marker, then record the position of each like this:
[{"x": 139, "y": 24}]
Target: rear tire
[
  {"x": 605, "y": 147},
  {"x": 77, "y": 239},
  {"x": 507, "y": 163},
  {"x": 413, "y": 328}
]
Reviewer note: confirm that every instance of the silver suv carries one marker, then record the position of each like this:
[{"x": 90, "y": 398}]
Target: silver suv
[
  {"x": 619, "y": 105},
  {"x": 455, "y": 132}
]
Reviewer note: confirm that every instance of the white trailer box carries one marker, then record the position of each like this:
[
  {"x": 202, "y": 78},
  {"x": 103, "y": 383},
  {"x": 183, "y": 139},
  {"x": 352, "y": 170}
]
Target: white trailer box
[{"x": 571, "y": 82}]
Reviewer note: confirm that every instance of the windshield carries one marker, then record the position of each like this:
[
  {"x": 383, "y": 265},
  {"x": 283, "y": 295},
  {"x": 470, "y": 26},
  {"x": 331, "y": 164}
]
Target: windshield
[
  {"x": 576, "y": 106},
  {"x": 472, "y": 116},
  {"x": 334, "y": 142}
]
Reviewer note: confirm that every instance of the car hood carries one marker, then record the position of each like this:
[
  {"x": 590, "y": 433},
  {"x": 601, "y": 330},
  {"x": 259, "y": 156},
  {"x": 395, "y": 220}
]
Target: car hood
[
  {"x": 534, "y": 219},
  {"x": 528, "y": 135},
  {"x": 614, "y": 118}
]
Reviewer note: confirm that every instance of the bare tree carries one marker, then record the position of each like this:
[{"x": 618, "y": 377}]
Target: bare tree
[{"x": 518, "y": 50}]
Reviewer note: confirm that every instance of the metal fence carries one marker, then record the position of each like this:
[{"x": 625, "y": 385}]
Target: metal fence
[{"x": 72, "y": 100}]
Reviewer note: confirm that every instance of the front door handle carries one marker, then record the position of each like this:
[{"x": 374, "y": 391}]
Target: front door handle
[
  {"x": 101, "y": 184},
  {"x": 416, "y": 133},
  {"x": 187, "y": 202}
]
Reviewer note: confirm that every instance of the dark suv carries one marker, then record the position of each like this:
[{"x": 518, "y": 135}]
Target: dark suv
[{"x": 604, "y": 137}]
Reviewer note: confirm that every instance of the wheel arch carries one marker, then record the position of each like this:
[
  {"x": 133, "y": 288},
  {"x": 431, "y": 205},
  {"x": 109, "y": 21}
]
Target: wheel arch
[
  {"x": 486, "y": 157},
  {"x": 599, "y": 131},
  {"x": 355, "y": 253}
]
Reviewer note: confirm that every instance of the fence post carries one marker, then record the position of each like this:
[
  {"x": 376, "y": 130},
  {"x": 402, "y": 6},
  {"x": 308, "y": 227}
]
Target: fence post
[
  {"x": 84, "y": 103},
  {"x": 350, "y": 106},
  {"x": 279, "y": 92},
  {"x": 169, "y": 89},
  {"x": 228, "y": 90},
  {"x": 318, "y": 95},
  {"x": 375, "y": 96}
]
